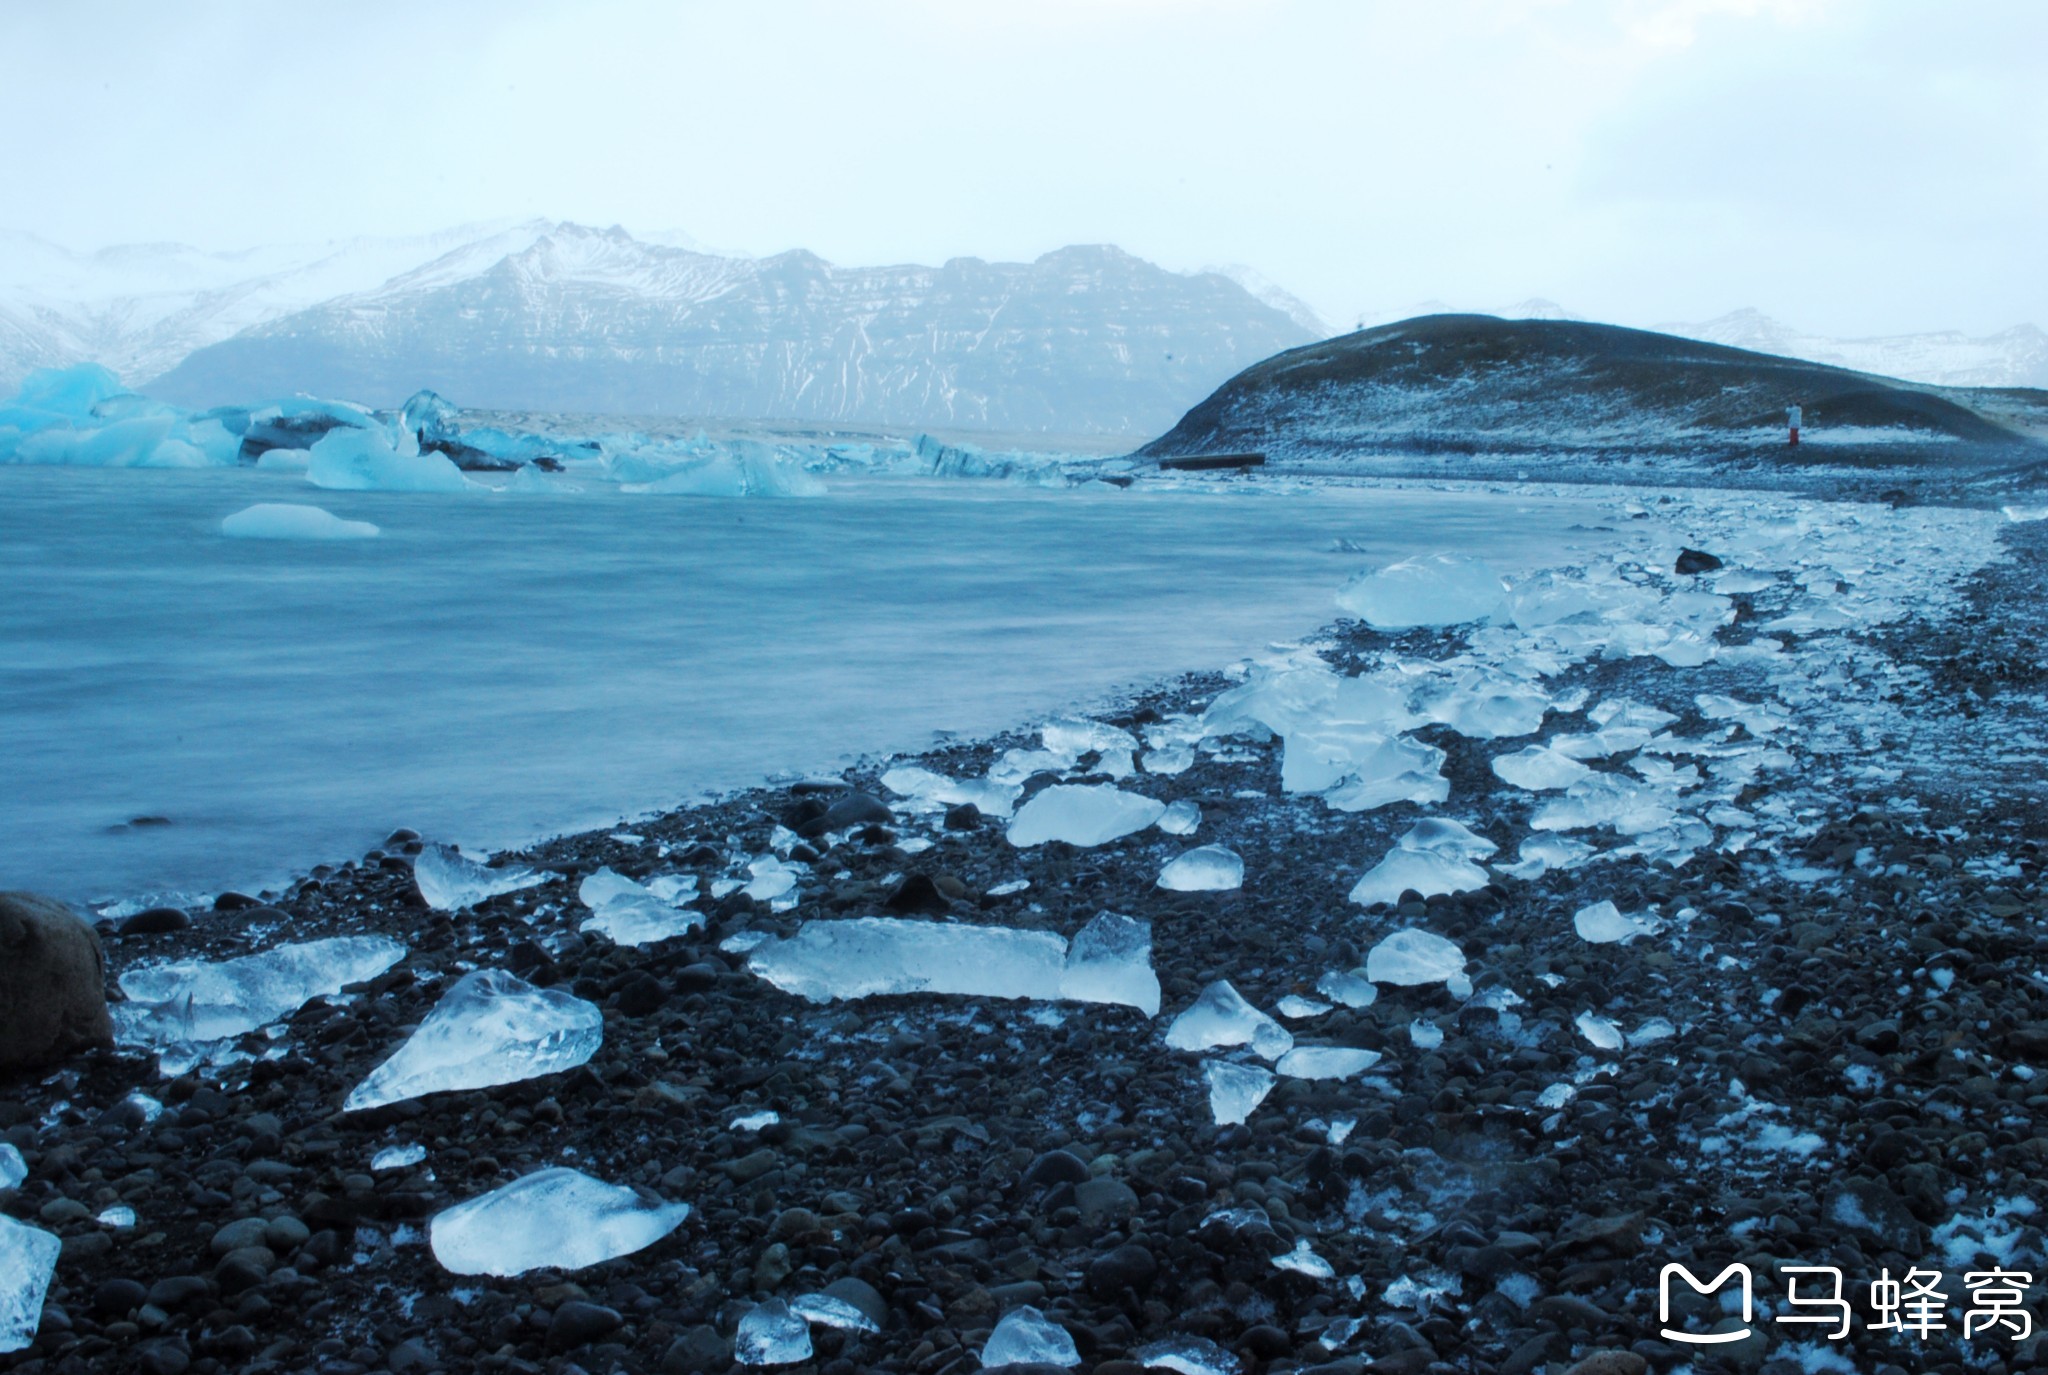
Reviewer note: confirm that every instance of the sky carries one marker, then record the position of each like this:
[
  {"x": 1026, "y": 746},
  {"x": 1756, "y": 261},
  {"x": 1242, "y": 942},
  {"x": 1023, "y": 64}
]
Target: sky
[{"x": 1852, "y": 167}]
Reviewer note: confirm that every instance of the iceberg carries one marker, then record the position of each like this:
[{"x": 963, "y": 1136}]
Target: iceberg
[
  {"x": 1604, "y": 924},
  {"x": 745, "y": 468},
  {"x": 450, "y": 880},
  {"x": 192, "y": 1001},
  {"x": 1110, "y": 961},
  {"x": 1412, "y": 958},
  {"x": 629, "y": 913},
  {"x": 353, "y": 460},
  {"x": 558, "y": 1218},
  {"x": 1221, "y": 1017},
  {"x": 1326, "y": 1062},
  {"x": 289, "y": 520},
  {"x": 1082, "y": 815},
  {"x": 1236, "y": 1090},
  {"x": 1026, "y": 1336},
  {"x": 28, "y": 1262},
  {"x": 490, "y": 1028},
  {"x": 1435, "y": 589},
  {"x": 1205, "y": 869},
  {"x": 771, "y": 1335}
]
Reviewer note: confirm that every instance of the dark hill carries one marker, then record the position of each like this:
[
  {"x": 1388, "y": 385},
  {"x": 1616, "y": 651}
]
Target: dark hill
[{"x": 1476, "y": 384}]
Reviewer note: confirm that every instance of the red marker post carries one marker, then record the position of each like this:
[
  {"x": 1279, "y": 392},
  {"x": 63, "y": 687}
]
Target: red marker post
[{"x": 1792, "y": 419}]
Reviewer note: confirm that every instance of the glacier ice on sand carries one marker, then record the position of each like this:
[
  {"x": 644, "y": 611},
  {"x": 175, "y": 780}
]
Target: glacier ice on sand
[
  {"x": 1084, "y": 815},
  {"x": 193, "y": 1001},
  {"x": 1303, "y": 1260},
  {"x": 1603, "y": 923},
  {"x": 1188, "y": 1356},
  {"x": 1221, "y": 1017},
  {"x": 398, "y": 1157},
  {"x": 490, "y": 1028},
  {"x": 1325, "y": 1062},
  {"x": 13, "y": 1169},
  {"x": 1428, "y": 590},
  {"x": 1412, "y": 958},
  {"x": 1426, "y": 872},
  {"x": 28, "y": 1261},
  {"x": 630, "y": 913},
  {"x": 556, "y": 1217},
  {"x": 1349, "y": 987},
  {"x": 1204, "y": 869},
  {"x": 1110, "y": 961},
  {"x": 826, "y": 1310},
  {"x": 450, "y": 880},
  {"x": 286, "y": 520},
  {"x": 1026, "y": 1336},
  {"x": 1180, "y": 818},
  {"x": 1599, "y": 1031},
  {"x": 770, "y": 1334},
  {"x": 1235, "y": 1090}
]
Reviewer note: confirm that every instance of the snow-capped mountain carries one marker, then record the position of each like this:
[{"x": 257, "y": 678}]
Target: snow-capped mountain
[
  {"x": 2016, "y": 357},
  {"x": 566, "y": 318}
]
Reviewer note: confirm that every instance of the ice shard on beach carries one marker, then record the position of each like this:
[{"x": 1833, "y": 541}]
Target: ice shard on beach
[
  {"x": 1434, "y": 856},
  {"x": 1221, "y": 1017},
  {"x": 28, "y": 1261},
  {"x": 1325, "y": 1062},
  {"x": 1235, "y": 1090},
  {"x": 192, "y": 1001},
  {"x": 450, "y": 880},
  {"x": 1605, "y": 924},
  {"x": 865, "y": 957},
  {"x": 559, "y": 1218},
  {"x": 629, "y": 913},
  {"x": 1204, "y": 869},
  {"x": 490, "y": 1028},
  {"x": 1026, "y": 1336},
  {"x": 1411, "y": 958},
  {"x": 1082, "y": 815},
  {"x": 771, "y": 1335},
  {"x": 1188, "y": 1356},
  {"x": 1433, "y": 589}
]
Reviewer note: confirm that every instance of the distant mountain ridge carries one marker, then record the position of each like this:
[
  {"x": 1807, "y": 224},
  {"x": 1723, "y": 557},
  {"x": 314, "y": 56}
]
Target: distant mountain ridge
[
  {"x": 2017, "y": 357},
  {"x": 561, "y": 317}
]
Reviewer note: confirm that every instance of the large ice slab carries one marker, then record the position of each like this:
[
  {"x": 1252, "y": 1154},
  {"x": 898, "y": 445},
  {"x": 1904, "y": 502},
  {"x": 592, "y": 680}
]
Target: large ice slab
[
  {"x": 490, "y": 1028},
  {"x": 351, "y": 460},
  {"x": 1082, "y": 815},
  {"x": 1026, "y": 1336},
  {"x": 290, "y": 520},
  {"x": 28, "y": 1261},
  {"x": 1432, "y": 589},
  {"x": 1204, "y": 869},
  {"x": 1236, "y": 1090},
  {"x": 191, "y": 1001},
  {"x": 863, "y": 957},
  {"x": 1411, "y": 958},
  {"x": 1221, "y": 1017},
  {"x": 559, "y": 1218},
  {"x": 629, "y": 913},
  {"x": 450, "y": 880}
]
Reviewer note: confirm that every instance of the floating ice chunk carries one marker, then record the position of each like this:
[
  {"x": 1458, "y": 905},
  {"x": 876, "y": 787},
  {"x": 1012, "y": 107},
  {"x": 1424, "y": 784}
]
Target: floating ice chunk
[
  {"x": 1326, "y": 1062},
  {"x": 1221, "y": 1017},
  {"x": 1188, "y": 1356},
  {"x": 557, "y": 1217},
  {"x": 1425, "y": 1034},
  {"x": 1412, "y": 958},
  {"x": 1235, "y": 1090},
  {"x": 1434, "y": 589},
  {"x": 1110, "y": 961},
  {"x": 1428, "y": 873},
  {"x": 192, "y": 1001},
  {"x": 450, "y": 880},
  {"x": 1026, "y": 1336},
  {"x": 28, "y": 1261},
  {"x": 1180, "y": 818},
  {"x": 1084, "y": 816},
  {"x": 1348, "y": 987},
  {"x": 490, "y": 1028},
  {"x": 1303, "y": 1260},
  {"x": 1294, "y": 1007},
  {"x": 353, "y": 460},
  {"x": 826, "y": 1310},
  {"x": 13, "y": 1169},
  {"x": 1538, "y": 768},
  {"x": 1599, "y": 1032},
  {"x": 1604, "y": 924},
  {"x": 928, "y": 791},
  {"x": 629, "y": 913},
  {"x": 289, "y": 520},
  {"x": 398, "y": 1157},
  {"x": 741, "y": 468},
  {"x": 1206, "y": 869}
]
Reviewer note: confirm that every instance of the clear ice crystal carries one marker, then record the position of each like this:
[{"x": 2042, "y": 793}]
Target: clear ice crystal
[
  {"x": 1303, "y": 1260},
  {"x": 1412, "y": 958},
  {"x": 1538, "y": 768},
  {"x": 398, "y": 1157},
  {"x": 120, "y": 1217},
  {"x": 1235, "y": 1090},
  {"x": 450, "y": 880},
  {"x": 1605, "y": 924},
  {"x": 1426, "y": 872},
  {"x": 1026, "y": 1336},
  {"x": 490, "y": 1028},
  {"x": 1349, "y": 987},
  {"x": 28, "y": 1261},
  {"x": 1296, "y": 1008},
  {"x": 13, "y": 1169},
  {"x": 1221, "y": 1017},
  {"x": 556, "y": 1217},
  {"x": 924, "y": 790},
  {"x": 1188, "y": 1356},
  {"x": 771, "y": 1335},
  {"x": 1082, "y": 815},
  {"x": 1326, "y": 1062},
  {"x": 1439, "y": 835},
  {"x": 1110, "y": 961},
  {"x": 1599, "y": 1031},
  {"x": 1205, "y": 869},
  {"x": 1434, "y": 589},
  {"x": 1180, "y": 818},
  {"x": 629, "y": 913},
  {"x": 193, "y": 1001},
  {"x": 826, "y": 1310}
]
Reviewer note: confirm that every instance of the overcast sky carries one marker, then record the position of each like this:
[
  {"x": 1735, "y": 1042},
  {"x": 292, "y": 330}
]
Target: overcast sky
[{"x": 1850, "y": 166}]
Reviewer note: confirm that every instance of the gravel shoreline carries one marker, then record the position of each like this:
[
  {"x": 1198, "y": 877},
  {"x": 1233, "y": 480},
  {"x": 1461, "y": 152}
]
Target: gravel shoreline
[{"x": 1850, "y": 1084}]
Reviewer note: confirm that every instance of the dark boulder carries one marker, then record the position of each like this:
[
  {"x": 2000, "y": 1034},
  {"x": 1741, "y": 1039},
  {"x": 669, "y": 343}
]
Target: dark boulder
[{"x": 53, "y": 997}]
